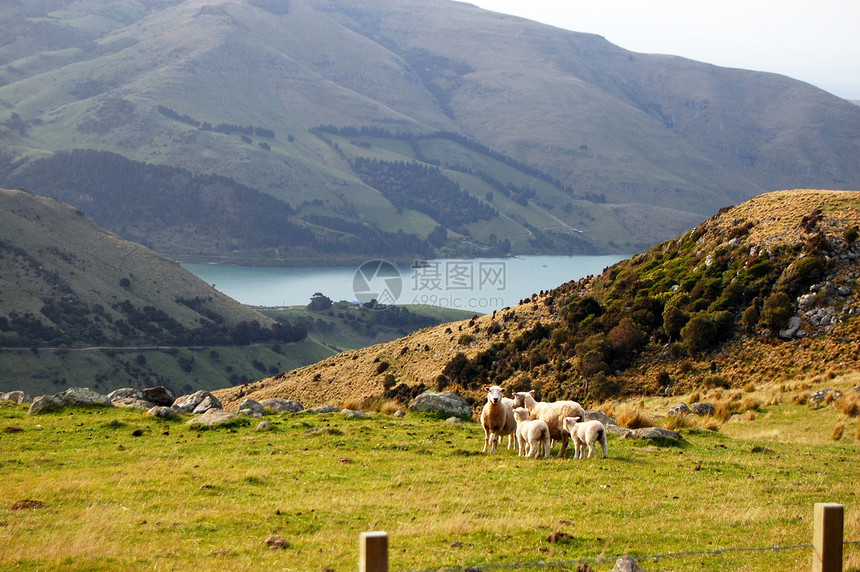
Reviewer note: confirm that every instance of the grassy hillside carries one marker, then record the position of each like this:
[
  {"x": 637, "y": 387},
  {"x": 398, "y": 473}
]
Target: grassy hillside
[
  {"x": 96, "y": 481},
  {"x": 80, "y": 306},
  {"x": 762, "y": 291},
  {"x": 565, "y": 131}
]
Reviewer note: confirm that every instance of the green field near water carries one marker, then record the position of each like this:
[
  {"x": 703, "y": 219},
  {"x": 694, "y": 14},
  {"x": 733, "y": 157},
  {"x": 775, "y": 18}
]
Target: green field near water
[{"x": 112, "y": 489}]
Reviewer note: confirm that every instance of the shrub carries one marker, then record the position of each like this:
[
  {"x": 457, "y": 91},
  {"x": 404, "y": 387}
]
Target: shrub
[
  {"x": 750, "y": 318},
  {"x": 712, "y": 381},
  {"x": 699, "y": 333},
  {"x": 389, "y": 381},
  {"x": 601, "y": 388},
  {"x": 776, "y": 311},
  {"x": 442, "y": 382},
  {"x": 850, "y": 234},
  {"x": 466, "y": 339},
  {"x": 383, "y": 365}
]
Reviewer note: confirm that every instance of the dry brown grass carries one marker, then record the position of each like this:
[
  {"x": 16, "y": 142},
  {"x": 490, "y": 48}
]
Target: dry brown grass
[
  {"x": 849, "y": 403},
  {"x": 633, "y": 417},
  {"x": 838, "y": 431}
]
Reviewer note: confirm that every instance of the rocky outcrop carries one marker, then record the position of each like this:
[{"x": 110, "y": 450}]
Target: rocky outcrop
[
  {"x": 212, "y": 418},
  {"x": 15, "y": 397},
  {"x": 279, "y": 405},
  {"x": 198, "y": 402}
]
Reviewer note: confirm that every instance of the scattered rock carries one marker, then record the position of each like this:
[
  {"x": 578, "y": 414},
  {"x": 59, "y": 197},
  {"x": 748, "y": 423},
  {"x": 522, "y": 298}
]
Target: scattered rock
[
  {"x": 445, "y": 403},
  {"x": 158, "y": 395},
  {"x": 702, "y": 408},
  {"x": 820, "y": 396},
  {"x": 627, "y": 564},
  {"x": 16, "y": 397},
  {"x": 680, "y": 409},
  {"x": 212, "y": 417},
  {"x": 790, "y": 331},
  {"x": 400, "y": 413},
  {"x": 198, "y": 402},
  {"x": 74, "y": 396},
  {"x": 454, "y": 421},
  {"x": 652, "y": 433},
  {"x": 264, "y": 426},
  {"x": 281, "y": 405},
  {"x": 162, "y": 411},
  {"x": 326, "y": 409},
  {"x": 132, "y": 403},
  {"x": 124, "y": 393},
  {"x": 599, "y": 416},
  {"x": 353, "y": 414},
  {"x": 250, "y": 407}
]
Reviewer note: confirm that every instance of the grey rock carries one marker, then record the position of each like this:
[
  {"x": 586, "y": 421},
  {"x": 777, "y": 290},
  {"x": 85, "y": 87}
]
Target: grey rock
[
  {"x": 445, "y": 403},
  {"x": 702, "y": 408},
  {"x": 72, "y": 397},
  {"x": 353, "y": 414},
  {"x": 264, "y": 426},
  {"x": 653, "y": 433},
  {"x": 326, "y": 409},
  {"x": 680, "y": 409},
  {"x": 212, "y": 417},
  {"x": 191, "y": 403},
  {"x": 794, "y": 324},
  {"x": 158, "y": 395},
  {"x": 280, "y": 405},
  {"x": 16, "y": 397},
  {"x": 251, "y": 407},
  {"x": 400, "y": 413},
  {"x": 454, "y": 421},
  {"x": 162, "y": 412},
  {"x": 626, "y": 564},
  {"x": 616, "y": 430}
]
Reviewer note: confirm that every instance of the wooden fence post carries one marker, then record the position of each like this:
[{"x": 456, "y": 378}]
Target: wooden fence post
[
  {"x": 373, "y": 552},
  {"x": 827, "y": 538}
]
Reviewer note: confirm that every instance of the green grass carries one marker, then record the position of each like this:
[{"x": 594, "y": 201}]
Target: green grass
[{"x": 177, "y": 495}]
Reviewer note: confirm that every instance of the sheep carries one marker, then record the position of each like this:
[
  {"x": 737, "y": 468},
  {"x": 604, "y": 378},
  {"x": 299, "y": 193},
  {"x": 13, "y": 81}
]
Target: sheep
[
  {"x": 552, "y": 413},
  {"x": 585, "y": 433},
  {"x": 532, "y": 435},
  {"x": 497, "y": 418}
]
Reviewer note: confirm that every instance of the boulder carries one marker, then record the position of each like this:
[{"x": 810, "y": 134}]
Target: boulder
[
  {"x": 159, "y": 395},
  {"x": 133, "y": 403},
  {"x": 821, "y": 395},
  {"x": 16, "y": 397},
  {"x": 353, "y": 414},
  {"x": 72, "y": 397},
  {"x": 445, "y": 404},
  {"x": 680, "y": 409},
  {"x": 626, "y": 564},
  {"x": 702, "y": 408},
  {"x": 790, "y": 331},
  {"x": 198, "y": 402},
  {"x": 653, "y": 434},
  {"x": 599, "y": 416},
  {"x": 124, "y": 393},
  {"x": 280, "y": 405},
  {"x": 250, "y": 407},
  {"x": 212, "y": 417}
]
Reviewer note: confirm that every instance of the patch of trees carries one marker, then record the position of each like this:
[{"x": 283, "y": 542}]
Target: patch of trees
[
  {"x": 423, "y": 188},
  {"x": 357, "y": 237},
  {"x": 225, "y": 128}
]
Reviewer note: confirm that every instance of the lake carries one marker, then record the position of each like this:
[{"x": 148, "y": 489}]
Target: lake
[{"x": 480, "y": 285}]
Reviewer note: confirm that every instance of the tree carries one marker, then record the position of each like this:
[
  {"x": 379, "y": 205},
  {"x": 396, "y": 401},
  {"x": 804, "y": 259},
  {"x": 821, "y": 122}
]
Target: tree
[
  {"x": 319, "y": 302},
  {"x": 674, "y": 319},
  {"x": 699, "y": 333},
  {"x": 776, "y": 311}
]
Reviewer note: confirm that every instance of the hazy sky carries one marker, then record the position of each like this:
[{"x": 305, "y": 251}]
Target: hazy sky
[{"x": 816, "y": 41}]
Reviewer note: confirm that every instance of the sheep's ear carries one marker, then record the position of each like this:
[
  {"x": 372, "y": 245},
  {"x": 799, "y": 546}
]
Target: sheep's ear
[
  {"x": 575, "y": 419},
  {"x": 532, "y": 391}
]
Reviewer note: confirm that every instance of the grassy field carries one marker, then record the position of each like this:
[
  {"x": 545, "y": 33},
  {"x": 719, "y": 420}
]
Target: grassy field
[{"x": 112, "y": 489}]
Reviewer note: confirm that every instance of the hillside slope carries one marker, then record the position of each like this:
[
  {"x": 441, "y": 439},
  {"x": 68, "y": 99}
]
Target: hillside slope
[
  {"x": 763, "y": 291},
  {"x": 546, "y": 140}
]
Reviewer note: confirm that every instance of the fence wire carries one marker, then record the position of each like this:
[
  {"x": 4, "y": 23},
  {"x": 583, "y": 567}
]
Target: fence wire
[{"x": 605, "y": 559}]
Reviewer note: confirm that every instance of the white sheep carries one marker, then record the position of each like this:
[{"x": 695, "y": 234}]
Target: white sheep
[
  {"x": 585, "y": 433},
  {"x": 552, "y": 413},
  {"x": 532, "y": 435},
  {"x": 497, "y": 418}
]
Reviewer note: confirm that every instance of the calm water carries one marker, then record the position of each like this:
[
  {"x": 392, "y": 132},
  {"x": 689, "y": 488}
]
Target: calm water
[{"x": 480, "y": 285}]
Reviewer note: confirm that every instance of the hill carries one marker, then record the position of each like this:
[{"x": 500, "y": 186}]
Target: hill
[
  {"x": 763, "y": 291},
  {"x": 530, "y": 139}
]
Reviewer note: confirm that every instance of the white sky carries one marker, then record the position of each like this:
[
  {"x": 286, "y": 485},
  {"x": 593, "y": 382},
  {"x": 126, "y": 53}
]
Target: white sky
[{"x": 816, "y": 41}]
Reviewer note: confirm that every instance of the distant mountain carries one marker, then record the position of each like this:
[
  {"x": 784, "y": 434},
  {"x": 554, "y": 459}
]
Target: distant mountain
[
  {"x": 763, "y": 291},
  {"x": 396, "y": 128}
]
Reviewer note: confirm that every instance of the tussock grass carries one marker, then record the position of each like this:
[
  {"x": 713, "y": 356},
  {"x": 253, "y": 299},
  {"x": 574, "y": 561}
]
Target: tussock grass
[{"x": 176, "y": 495}]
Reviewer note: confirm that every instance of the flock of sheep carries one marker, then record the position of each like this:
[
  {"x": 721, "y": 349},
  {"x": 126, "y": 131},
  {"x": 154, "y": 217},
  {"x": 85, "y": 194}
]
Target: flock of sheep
[{"x": 536, "y": 424}]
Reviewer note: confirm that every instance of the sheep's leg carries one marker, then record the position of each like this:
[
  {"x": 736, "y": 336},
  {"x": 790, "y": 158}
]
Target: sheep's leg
[
  {"x": 534, "y": 448},
  {"x": 590, "y": 449},
  {"x": 486, "y": 439},
  {"x": 563, "y": 445},
  {"x": 603, "y": 444}
]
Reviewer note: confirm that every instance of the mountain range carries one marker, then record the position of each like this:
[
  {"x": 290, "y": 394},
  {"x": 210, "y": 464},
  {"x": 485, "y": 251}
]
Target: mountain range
[{"x": 281, "y": 130}]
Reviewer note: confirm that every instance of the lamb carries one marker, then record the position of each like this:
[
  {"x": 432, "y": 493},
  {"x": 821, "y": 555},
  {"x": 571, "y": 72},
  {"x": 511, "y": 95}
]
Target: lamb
[
  {"x": 552, "y": 413},
  {"x": 497, "y": 418},
  {"x": 532, "y": 435},
  {"x": 585, "y": 433}
]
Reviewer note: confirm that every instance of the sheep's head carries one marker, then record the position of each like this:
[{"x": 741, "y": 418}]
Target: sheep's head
[
  {"x": 521, "y": 414},
  {"x": 569, "y": 423},
  {"x": 521, "y": 396},
  {"x": 495, "y": 394}
]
